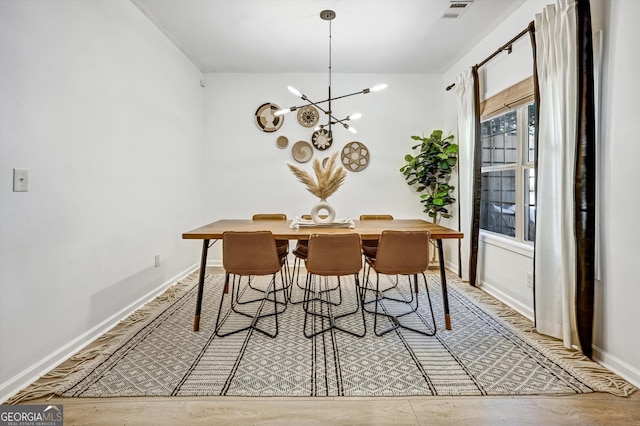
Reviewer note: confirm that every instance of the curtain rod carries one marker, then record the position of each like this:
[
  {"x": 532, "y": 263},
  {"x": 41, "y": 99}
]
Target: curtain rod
[{"x": 507, "y": 46}]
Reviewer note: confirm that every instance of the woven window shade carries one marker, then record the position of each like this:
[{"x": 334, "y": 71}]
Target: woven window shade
[{"x": 517, "y": 95}]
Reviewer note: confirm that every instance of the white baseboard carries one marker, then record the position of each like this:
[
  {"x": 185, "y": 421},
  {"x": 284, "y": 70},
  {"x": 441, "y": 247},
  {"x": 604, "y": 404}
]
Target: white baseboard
[
  {"x": 507, "y": 300},
  {"x": 621, "y": 368},
  {"x": 39, "y": 369}
]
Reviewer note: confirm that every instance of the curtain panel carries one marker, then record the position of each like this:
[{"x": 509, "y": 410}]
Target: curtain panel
[
  {"x": 564, "y": 248},
  {"x": 466, "y": 102}
]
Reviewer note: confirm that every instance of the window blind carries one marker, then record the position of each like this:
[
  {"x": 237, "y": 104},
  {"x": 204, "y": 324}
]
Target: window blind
[{"x": 511, "y": 98}]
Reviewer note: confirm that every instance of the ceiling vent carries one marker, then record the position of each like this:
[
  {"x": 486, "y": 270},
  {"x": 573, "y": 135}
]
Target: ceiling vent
[{"x": 456, "y": 9}]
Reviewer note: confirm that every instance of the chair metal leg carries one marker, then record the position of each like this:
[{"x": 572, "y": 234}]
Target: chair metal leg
[
  {"x": 311, "y": 312},
  {"x": 297, "y": 262},
  {"x": 255, "y": 317},
  {"x": 327, "y": 289},
  {"x": 379, "y": 294},
  {"x": 395, "y": 319}
]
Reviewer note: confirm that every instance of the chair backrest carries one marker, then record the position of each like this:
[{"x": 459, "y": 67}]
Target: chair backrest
[
  {"x": 376, "y": 217},
  {"x": 402, "y": 252},
  {"x": 269, "y": 216},
  {"x": 337, "y": 254},
  {"x": 249, "y": 253}
]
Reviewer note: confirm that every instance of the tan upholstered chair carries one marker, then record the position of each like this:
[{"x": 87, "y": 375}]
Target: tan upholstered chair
[
  {"x": 338, "y": 256},
  {"x": 300, "y": 253},
  {"x": 400, "y": 253},
  {"x": 246, "y": 254},
  {"x": 281, "y": 245},
  {"x": 369, "y": 247}
]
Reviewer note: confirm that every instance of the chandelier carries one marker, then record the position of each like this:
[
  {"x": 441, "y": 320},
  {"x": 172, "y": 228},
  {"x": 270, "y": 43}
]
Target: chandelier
[{"x": 325, "y": 129}]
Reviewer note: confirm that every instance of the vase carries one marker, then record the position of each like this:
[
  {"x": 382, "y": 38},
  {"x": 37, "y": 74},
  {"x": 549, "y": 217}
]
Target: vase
[{"x": 323, "y": 212}]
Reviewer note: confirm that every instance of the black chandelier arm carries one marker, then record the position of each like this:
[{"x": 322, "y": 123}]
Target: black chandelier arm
[
  {"x": 317, "y": 104},
  {"x": 310, "y": 102}
]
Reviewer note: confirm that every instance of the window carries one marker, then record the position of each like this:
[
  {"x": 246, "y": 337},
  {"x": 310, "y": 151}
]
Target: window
[{"x": 508, "y": 176}]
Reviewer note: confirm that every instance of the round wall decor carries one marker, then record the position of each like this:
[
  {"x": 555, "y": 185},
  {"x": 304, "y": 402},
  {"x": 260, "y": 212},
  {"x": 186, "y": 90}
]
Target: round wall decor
[
  {"x": 308, "y": 116},
  {"x": 322, "y": 139},
  {"x": 302, "y": 151},
  {"x": 355, "y": 156},
  {"x": 265, "y": 118},
  {"x": 282, "y": 141}
]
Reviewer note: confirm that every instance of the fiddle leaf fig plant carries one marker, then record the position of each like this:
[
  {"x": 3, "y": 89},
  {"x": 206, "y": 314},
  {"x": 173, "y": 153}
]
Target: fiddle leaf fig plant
[{"x": 430, "y": 171}]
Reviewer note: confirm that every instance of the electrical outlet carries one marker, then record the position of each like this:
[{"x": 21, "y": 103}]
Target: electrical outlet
[
  {"x": 157, "y": 259},
  {"x": 530, "y": 279},
  {"x": 20, "y": 180}
]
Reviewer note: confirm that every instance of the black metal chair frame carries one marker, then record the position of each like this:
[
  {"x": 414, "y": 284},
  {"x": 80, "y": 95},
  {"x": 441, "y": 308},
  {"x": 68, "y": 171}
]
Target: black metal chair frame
[
  {"x": 235, "y": 295},
  {"x": 394, "y": 318},
  {"x": 312, "y": 312}
]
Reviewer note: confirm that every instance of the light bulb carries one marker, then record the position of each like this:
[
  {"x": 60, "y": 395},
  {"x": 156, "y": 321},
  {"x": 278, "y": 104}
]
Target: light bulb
[
  {"x": 354, "y": 116},
  {"x": 378, "y": 87},
  {"x": 352, "y": 130},
  {"x": 281, "y": 112},
  {"x": 294, "y": 91}
]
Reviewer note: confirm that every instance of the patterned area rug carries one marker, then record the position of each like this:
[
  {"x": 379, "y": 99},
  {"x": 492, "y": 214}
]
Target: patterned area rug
[{"x": 156, "y": 353}]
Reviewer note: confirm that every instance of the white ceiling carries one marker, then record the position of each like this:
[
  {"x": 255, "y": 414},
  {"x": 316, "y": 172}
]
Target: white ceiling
[{"x": 282, "y": 36}]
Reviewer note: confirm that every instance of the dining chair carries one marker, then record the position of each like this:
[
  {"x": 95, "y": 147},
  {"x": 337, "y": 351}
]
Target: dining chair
[
  {"x": 400, "y": 254},
  {"x": 250, "y": 254},
  {"x": 369, "y": 247},
  {"x": 300, "y": 255},
  {"x": 339, "y": 256},
  {"x": 281, "y": 245}
]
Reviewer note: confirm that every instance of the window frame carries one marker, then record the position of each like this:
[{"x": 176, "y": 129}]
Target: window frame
[{"x": 520, "y": 168}]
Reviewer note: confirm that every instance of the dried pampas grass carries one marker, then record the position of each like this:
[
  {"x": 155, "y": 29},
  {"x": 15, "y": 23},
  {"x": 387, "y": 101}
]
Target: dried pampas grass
[{"x": 329, "y": 178}]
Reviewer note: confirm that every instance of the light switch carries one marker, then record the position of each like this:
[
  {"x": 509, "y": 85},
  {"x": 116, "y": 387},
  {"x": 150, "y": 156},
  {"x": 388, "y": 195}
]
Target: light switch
[{"x": 20, "y": 180}]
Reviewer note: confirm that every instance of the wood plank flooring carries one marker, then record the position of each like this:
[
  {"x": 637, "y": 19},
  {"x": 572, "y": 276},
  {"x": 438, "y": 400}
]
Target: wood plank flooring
[{"x": 589, "y": 409}]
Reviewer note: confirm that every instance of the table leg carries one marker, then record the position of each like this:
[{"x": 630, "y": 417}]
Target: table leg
[
  {"x": 203, "y": 268},
  {"x": 443, "y": 281}
]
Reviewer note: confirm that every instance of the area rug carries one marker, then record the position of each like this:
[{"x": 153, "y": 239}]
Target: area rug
[{"x": 489, "y": 351}]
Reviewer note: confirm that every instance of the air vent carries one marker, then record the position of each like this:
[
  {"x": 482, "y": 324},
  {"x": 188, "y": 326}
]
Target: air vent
[{"x": 456, "y": 9}]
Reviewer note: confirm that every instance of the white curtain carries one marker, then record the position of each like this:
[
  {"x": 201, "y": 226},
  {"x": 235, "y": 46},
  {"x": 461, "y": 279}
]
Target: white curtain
[
  {"x": 555, "y": 260},
  {"x": 466, "y": 143}
]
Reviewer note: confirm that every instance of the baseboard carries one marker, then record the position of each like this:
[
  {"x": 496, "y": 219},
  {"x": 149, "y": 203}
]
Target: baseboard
[
  {"x": 39, "y": 369},
  {"x": 621, "y": 368},
  {"x": 507, "y": 300}
]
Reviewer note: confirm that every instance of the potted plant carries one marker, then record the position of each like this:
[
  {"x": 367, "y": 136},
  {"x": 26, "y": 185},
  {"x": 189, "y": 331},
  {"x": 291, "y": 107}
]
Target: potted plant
[{"x": 430, "y": 171}]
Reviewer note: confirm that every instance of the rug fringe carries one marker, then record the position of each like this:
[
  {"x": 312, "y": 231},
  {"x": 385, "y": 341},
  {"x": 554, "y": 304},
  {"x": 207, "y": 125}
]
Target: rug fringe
[
  {"x": 570, "y": 359},
  {"x": 99, "y": 348}
]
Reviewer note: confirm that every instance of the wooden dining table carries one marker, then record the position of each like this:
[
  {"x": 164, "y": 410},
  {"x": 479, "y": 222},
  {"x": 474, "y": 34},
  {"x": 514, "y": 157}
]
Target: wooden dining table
[{"x": 367, "y": 229}]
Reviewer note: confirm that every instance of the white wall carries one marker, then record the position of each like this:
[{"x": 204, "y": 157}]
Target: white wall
[
  {"x": 502, "y": 269},
  {"x": 106, "y": 114},
  {"x": 616, "y": 339},
  {"x": 246, "y": 172}
]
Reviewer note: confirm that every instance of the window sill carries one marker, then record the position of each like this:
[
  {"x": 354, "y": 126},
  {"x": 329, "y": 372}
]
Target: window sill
[{"x": 525, "y": 249}]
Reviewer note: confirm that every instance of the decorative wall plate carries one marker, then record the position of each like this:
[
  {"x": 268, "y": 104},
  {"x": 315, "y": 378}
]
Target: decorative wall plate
[
  {"x": 355, "y": 156},
  {"x": 282, "y": 141},
  {"x": 265, "y": 118},
  {"x": 322, "y": 139},
  {"x": 302, "y": 151},
  {"x": 308, "y": 116}
]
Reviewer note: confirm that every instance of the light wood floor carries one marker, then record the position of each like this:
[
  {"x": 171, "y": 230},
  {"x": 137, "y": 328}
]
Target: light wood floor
[{"x": 589, "y": 409}]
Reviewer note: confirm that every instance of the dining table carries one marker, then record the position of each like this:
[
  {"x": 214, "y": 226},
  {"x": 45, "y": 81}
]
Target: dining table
[{"x": 281, "y": 230}]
